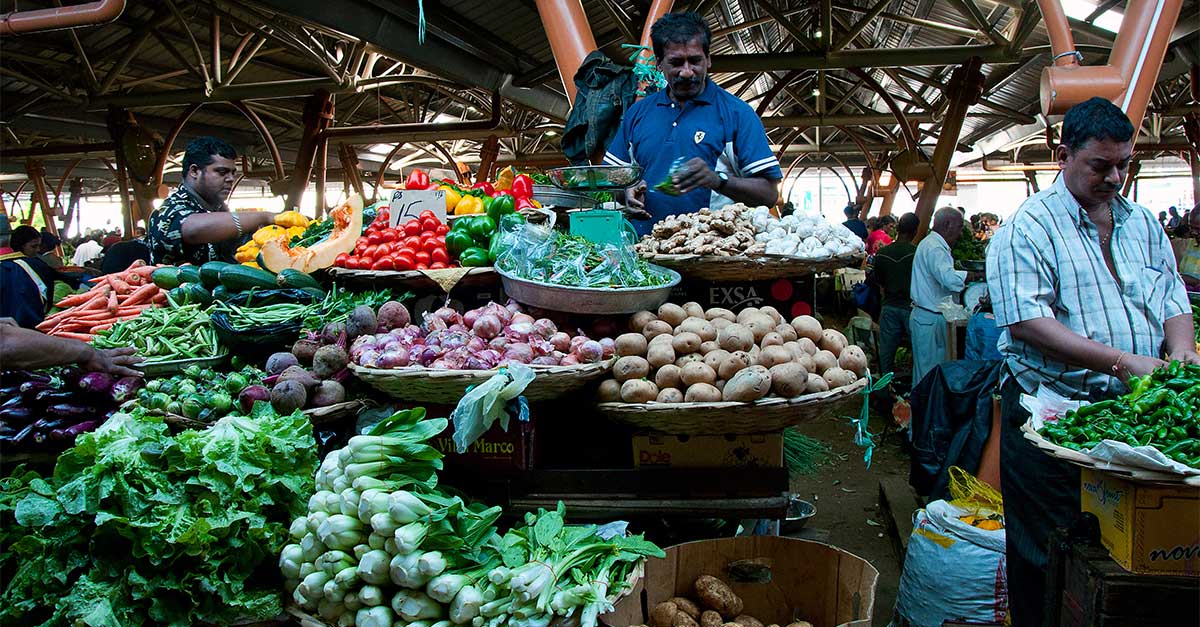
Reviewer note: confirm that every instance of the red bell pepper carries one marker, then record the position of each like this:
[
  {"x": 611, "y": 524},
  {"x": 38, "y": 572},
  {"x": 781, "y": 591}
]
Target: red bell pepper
[
  {"x": 524, "y": 203},
  {"x": 486, "y": 187},
  {"x": 522, "y": 186},
  {"x": 417, "y": 179}
]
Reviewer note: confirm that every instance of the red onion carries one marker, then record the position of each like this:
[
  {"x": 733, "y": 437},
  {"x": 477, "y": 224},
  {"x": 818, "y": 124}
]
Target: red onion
[
  {"x": 545, "y": 360},
  {"x": 393, "y": 359},
  {"x": 470, "y": 317},
  {"x": 449, "y": 315},
  {"x": 544, "y": 327},
  {"x": 569, "y": 360},
  {"x": 369, "y": 357},
  {"x": 521, "y": 318},
  {"x": 561, "y": 341},
  {"x": 490, "y": 357},
  {"x": 488, "y": 326},
  {"x": 415, "y": 353},
  {"x": 476, "y": 344},
  {"x": 609, "y": 345},
  {"x": 519, "y": 352},
  {"x": 576, "y": 342},
  {"x": 459, "y": 328},
  {"x": 519, "y": 331},
  {"x": 433, "y": 323},
  {"x": 589, "y": 352},
  {"x": 513, "y": 306},
  {"x": 498, "y": 343}
]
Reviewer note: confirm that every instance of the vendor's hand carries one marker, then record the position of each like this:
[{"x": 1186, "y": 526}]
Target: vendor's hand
[
  {"x": 1186, "y": 356},
  {"x": 696, "y": 174},
  {"x": 116, "y": 361},
  {"x": 1139, "y": 365},
  {"x": 635, "y": 202}
]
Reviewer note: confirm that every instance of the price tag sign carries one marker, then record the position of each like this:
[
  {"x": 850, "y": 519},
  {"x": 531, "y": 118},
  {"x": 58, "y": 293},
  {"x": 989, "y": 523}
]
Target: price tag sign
[{"x": 407, "y": 204}]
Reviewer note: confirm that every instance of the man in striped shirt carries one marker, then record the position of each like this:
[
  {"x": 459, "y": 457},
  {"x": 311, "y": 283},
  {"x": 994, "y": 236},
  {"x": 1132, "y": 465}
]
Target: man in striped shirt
[{"x": 1085, "y": 286}]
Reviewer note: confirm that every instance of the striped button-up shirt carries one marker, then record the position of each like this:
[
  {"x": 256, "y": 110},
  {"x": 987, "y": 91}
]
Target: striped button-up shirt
[{"x": 1046, "y": 262}]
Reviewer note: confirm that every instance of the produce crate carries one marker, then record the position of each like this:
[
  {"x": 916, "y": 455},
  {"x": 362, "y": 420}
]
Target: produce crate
[
  {"x": 780, "y": 580},
  {"x": 1148, "y": 529},
  {"x": 707, "y": 451}
]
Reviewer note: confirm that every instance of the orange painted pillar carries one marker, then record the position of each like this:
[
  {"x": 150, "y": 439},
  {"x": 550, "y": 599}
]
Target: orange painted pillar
[{"x": 570, "y": 36}]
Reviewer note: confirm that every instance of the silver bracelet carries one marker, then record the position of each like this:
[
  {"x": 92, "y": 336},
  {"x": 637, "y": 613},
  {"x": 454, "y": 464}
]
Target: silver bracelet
[{"x": 237, "y": 223}]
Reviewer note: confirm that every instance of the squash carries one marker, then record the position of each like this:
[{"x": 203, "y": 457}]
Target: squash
[{"x": 276, "y": 255}]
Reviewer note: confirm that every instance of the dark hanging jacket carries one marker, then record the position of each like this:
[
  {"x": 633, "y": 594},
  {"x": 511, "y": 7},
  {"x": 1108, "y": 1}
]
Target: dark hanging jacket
[{"x": 604, "y": 92}]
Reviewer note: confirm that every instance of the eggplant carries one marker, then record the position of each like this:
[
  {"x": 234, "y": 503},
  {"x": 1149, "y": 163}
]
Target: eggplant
[
  {"x": 70, "y": 376},
  {"x": 24, "y": 435},
  {"x": 97, "y": 383},
  {"x": 17, "y": 377},
  {"x": 82, "y": 427},
  {"x": 6, "y": 429},
  {"x": 30, "y": 389},
  {"x": 69, "y": 411},
  {"x": 47, "y": 397},
  {"x": 15, "y": 401},
  {"x": 125, "y": 388},
  {"x": 19, "y": 416}
]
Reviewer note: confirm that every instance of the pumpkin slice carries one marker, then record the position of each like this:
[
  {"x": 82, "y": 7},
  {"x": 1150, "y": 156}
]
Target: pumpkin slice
[{"x": 347, "y": 226}]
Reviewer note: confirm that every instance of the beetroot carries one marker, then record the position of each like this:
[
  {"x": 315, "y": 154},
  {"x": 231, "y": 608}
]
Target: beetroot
[
  {"x": 250, "y": 395},
  {"x": 392, "y": 315},
  {"x": 279, "y": 362}
]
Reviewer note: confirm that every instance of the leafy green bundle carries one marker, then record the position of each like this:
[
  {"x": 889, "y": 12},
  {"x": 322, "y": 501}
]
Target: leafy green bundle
[{"x": 140, "y": 527}]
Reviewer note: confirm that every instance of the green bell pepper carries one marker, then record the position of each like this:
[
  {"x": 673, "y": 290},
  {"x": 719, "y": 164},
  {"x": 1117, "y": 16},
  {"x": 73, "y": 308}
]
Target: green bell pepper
[
  {"x": 501, "y": 206},
  {"x": 473, "y": 257},
  {"x": 482, "y": 228},
  {"x": 458, "y": 241}
]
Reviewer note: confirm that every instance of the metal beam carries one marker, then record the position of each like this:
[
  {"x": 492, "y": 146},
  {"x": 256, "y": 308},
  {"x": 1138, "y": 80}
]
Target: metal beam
[
  {"x": 64, "y": 150},
  {"x": 914, "y": 21},
  {"x": 872, "y": 57},
  {"x": 246, "y": 91}
]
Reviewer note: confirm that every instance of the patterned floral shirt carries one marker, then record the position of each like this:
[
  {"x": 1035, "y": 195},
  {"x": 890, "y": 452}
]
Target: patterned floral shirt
[{"x": 165, "y": 236}]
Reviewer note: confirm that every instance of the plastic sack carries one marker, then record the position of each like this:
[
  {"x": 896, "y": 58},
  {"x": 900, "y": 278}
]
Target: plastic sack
[
  {"x": 952, "y": 571},
  {"x": 952, "y": 311},
  {"x": 972, "y": 495},
  {"x": 483, "y": 404}
]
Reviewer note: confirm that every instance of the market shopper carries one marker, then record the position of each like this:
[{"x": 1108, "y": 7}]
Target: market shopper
[
  {"x": 87, "y": 250},
  {"x": 194, "y": 225},
  {"x": 1188, "y": 255},
  {"x": 27, "y": 282},
  {"x": 880, "y": 232},
  {"x": 719, "y": 139},
  {"x": 855, "y": 223},
  {"x": 934, "y": 279},
  {"x": 893, "y": 272},
  {"x": 1084, "y": 284},
  {"x": 26, "y": 349}
]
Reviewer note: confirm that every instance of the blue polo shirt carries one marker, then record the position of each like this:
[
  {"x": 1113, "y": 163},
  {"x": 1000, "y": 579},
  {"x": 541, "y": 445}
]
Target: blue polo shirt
[{"x": 716, "y": 126}]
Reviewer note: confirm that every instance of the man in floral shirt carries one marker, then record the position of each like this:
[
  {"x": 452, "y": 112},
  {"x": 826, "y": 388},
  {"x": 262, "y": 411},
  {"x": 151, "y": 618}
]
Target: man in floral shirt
[{"x": 194, "y": 225}]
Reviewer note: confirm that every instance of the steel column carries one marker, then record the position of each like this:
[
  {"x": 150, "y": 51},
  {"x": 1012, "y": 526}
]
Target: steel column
[
  {"x": 964, "y": 88},
  {"x": 570, "y": 37},
  {"x": 318, "y": 115}
]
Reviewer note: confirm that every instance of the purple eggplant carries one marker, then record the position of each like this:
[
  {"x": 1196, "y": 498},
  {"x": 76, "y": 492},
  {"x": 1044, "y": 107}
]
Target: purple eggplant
[
  {"x": 24, "y": 435},
  {"x": 52, "y": 396},
  {"x": 17, "y": 377},
  {"x": 30, "y": 389},
  {"x": 15, "y": 401},
  {"x": 250, "y": 394},
  {"x": 82, "y": 427},
  {"x": 97, "y": 383},
  {"x": 19, "y": 416},
  {"x": 69, "y": 411},
  {"x": 71, "y": 376},
  {"x": 126, "y": 388}
]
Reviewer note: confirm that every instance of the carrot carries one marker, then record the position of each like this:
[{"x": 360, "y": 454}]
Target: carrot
[
  {"x": 74, "y": 299},
  {"x": 141, "y": 294},
  {"x": 85, "y": 337},
  {"x": 112, "y": 301},
  {"x": 160, "y": 298},
  {"x": 143, "y": 271},
  {"x": 134, "y": 311},
  {"x": 135, "y": 279},
  {"x": 120, "y": 285},
  {"x": 137, "y": 263}
]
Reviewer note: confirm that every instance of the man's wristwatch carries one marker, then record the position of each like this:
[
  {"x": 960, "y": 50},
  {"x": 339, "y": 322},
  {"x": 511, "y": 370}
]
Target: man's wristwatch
[{"x": 724, "y": 179}]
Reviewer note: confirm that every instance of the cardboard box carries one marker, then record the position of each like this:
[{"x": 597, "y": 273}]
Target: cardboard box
[
  {"x": 792, "y": 297},
  {"x": 495, "y": 450},
  {"x": 708, "y": 451},
  {"x": 1148, "y": 529}
]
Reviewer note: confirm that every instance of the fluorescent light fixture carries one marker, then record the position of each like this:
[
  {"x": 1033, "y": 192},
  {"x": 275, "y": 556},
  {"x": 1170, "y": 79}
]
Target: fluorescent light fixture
[
  {"x": 1110, "y": 20},
  {"x": 551, "y": 133},
  {"x": 817, "y": 34},
  {"x": 816, "y": 92},
  {"x": 380, "y": 149}
]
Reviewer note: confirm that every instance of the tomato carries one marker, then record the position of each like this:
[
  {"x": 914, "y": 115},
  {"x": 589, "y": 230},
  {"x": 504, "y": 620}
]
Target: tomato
[
  {"x": 422, "y": 266},
  {"x": 384, "y": 263},
  {"x": 422, "y": 258},
  {"x": 340, "y": 260},
  {"x": 353, "y": 263},
  {"x": 412, "y": 227},
  {"x": 427, "y": 214},
  {"x": 404, "y": 261},
  {"x": 431, "y": 244},
  {"x": 371, "y": 252},
  {"x": 439, "y": 255},
  {"x": 413, "y": 242},
  {"x": 389, "y": 235},
  {"x": 373, "y": 238},
  {"x": 427, "y": 234},
  {"x": 442, "y": 229},
  {"x": 437, "y": 265},
  {"x": 429, "y": 223}
]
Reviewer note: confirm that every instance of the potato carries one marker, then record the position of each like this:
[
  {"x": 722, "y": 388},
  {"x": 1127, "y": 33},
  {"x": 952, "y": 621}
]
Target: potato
[
  {"x": 735, "y": 337},
  {"x": 772, "y": 356},
  {"x": 709, "y": 347},
  {"x": 815, "y": 384},
  {"x": 699, "y": 326},
  {"x": 720, "y": 323},
  {"x": 744, "y": 315},
  {"x": 715, "y": 358},
  {"x": 807, "y": 345},
  {"x": 800, "y": 623},
  {"x": 832, "y": 341},
  {"x": 709, "y": 618},
  {"x": 656, "y": 327},
  {"x": 749, "y": 384},
  {"x": 665, "y": 338},
  {"x": 745, "y": 620},
  {"x": 686, "y": 343},
  {"x": 683, "y": 620},
  {"x": 610, "y": 391},
  {"x": 638, "y": 320},
  {"x": 660, "y": 355},
  {"x": 713, "y": 594},
  {"x": 686, "y": 605},
  {"x": 771, "y": 339},
  {"x": 822, "y": 361},
  {"x": 807, "y": 326},
  {"x": 788, "y": 380},
  {"x": 669, "y": 395},
  {"x": 630, "y": 367},
  {"x": 720, "y": 384},
  {"x": 638, "y": 391},
  {"x": 793, "y": 349},
  {"x": 837, "y": 377},
  {"x": 697, "y": 372},
  {"x": 628, "y": 344},
  {"x": 671, "y": 313},
  {"x": 688, "y": 359},
  {"x": 693, "y": 309},
  {"x": 663, "y": 614},
  {"x": 667, "y": 377},
  {"x": 786, "y": 331},
  {"x": 732, "y": 364},
  {"x": 771, "y": 311},
  {"x": 702, "y": 393},
  {"x": 759, "y": 325},
  {"x": 806, "y": 360},
  {"x": 717, "y": 312},
  {"x": 853, "y": 359}
]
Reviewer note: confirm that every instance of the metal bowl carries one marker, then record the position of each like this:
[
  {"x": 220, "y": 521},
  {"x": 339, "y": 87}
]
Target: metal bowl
[
  {"x": 798, "y": 513},
  {"x": 549, "y": 195},
  {"x": 595, "y": 178},
  {"x": 588, "y": 300}
]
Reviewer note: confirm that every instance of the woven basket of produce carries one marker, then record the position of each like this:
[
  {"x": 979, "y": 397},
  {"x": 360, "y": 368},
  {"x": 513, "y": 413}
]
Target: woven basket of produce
[
  {"x": 419, "y": 279},
  {"x": 448, "y": 386},
  {"x": 762, "y": 416},
  {"x": 739, "y": 267}
]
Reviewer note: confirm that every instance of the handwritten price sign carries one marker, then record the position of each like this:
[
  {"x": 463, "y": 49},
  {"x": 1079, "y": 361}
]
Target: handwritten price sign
[{"x": 407, "y": 204}]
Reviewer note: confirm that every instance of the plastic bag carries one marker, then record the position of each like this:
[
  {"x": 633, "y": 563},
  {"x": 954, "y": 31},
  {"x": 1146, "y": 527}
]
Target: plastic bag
[
  {"x": 952, "y": 311},
  {"x": 973, "y": 495},
  {"x": 483, "y": 404},
  {"x": 667, "y": 185}
]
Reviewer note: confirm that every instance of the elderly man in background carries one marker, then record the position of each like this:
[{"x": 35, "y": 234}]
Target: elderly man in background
[{"x": 933, "y": 279}]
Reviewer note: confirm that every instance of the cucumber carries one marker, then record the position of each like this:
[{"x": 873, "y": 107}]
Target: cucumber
[
  {"x": 291, "y": 277},
  {"x": 317, "y": 293},
  {"x": 189, "y": 274},
  {"x": 220, "y": 293},
  {"x": 238, "y": 278},
  {"x": 191, "y": 293},
  {"x": 166, "y": 277},
  {"x": 210, "y": 273}
]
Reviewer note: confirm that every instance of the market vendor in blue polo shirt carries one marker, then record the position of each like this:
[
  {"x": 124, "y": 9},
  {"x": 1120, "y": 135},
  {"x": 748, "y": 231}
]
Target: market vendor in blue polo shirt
[{"x": 725, "y": 153}]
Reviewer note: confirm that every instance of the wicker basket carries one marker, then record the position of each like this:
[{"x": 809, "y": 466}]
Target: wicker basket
[
  {"x": 739, "y": 268},
  {"x": 767, "y": 415},
  {"x": 333, "y": 413},
  {"x": 448, "y": 386},
  {"x": 1083, "y": 460},
  {"x": 419, "y": 279}
]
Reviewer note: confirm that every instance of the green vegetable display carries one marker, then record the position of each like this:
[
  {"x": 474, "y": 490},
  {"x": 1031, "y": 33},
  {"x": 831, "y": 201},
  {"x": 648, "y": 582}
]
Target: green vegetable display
[
  {"x": 164, "y": 334},
  {"x": 575, "y": 261},
  {"x": 140, "y": 527},
  {"x": 1162, "y": 409},
  {"x": 968, "y": 248},
  {"x": 198, "y": 393}
]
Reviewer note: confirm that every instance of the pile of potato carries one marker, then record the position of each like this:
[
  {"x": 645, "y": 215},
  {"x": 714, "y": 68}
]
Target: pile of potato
[
  {"x": 718, "y": 607},
  {"x": 689, "y": 354}
]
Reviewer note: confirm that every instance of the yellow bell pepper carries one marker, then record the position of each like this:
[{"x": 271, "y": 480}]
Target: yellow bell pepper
[
  {"x": 468, "y": 205},
  {"x": 452, "y": 198},
  {"x": 268, "y": 233},
  {"x": 291, "y": 218}
]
